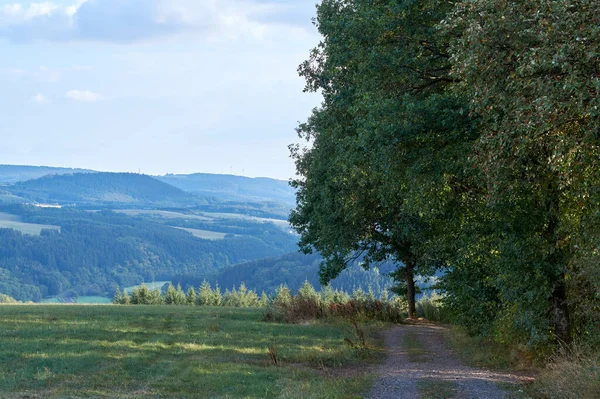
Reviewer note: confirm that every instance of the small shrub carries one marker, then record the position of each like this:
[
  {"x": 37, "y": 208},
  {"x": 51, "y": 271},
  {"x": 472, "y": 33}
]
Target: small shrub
[
  {"x": 310, "y": 307},
  {"x": 432, "y": 309},
  {"x": 7, "y": 299}
]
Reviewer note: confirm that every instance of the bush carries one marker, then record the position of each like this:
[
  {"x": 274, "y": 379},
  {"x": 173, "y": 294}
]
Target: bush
[
  {"x": 7, "y": 299},
  {"x": 432, "y": 309},
  {"x": 309, "y": 305}
]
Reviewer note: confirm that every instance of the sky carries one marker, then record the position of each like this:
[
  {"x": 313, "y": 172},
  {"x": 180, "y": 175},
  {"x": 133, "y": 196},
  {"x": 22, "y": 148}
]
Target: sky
[{"x": 155, "y": 86}]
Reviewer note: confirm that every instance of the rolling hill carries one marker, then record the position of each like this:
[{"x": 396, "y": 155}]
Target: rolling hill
[
  {"x": 103, "y": 189},
  {"x": 233, "y": 188},
  {"x": 10, "y": 174}
]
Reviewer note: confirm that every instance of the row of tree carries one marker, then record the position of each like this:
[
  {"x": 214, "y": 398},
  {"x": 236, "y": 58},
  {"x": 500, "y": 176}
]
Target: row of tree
[
  {"x": 293, "y": 270},
  {"x": 241, "y": 297},
  {"x": 461, "y": 136}
]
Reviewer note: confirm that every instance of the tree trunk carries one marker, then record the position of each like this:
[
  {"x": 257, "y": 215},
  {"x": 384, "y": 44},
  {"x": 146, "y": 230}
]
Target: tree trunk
[
  {"x": 560, "y": 311},
  {"x": 560, "y": 308},
  {"x": 410, "y": 288}
]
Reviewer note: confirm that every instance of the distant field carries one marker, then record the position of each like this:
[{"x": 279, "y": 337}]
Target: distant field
[
  {"x": 82, "y": 300},
  {"x": 207, "y": 235},
  {"x": 100, "y": 300},
  {"x": 93, "y": 300},
  {"x": 278, "y": 222},
  {"x": 205, "y": 216},
  {"x": 152, "y": 285},
  {"x": 53, "y": 300},
  {"x": 165, "y": 214},
  {"x": 171, "y": 352},
  {"x": 9, "y": 221}
]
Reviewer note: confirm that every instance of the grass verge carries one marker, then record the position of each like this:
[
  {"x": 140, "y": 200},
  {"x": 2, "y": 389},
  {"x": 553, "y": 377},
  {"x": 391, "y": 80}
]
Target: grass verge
[
  {"x": 172, "y": 352},
  {"x": 481, "y": 352},
  {"x": 573, "y": 374}
]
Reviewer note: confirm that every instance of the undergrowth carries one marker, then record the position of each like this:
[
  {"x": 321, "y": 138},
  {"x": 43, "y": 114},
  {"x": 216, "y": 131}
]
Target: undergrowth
[
  {"x": 571, "y": 374},
  {"x": 479, "y": 351}
]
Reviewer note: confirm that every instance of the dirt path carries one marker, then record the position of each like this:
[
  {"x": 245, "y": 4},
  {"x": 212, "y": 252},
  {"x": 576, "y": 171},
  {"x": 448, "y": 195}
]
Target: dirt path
[{"x": 420, "y": 365}]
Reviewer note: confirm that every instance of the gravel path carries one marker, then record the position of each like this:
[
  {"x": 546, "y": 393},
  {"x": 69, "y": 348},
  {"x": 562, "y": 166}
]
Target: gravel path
[{"x": 417, "y": 357}]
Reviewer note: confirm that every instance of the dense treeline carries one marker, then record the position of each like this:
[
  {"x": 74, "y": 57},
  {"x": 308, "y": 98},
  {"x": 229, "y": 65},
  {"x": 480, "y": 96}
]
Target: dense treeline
[
  {"x": 95, "y": 252},
  {"x": 284, "y": 304},
  {"x": 461, "y": 137},
  {"x": 293, "y": 270}
]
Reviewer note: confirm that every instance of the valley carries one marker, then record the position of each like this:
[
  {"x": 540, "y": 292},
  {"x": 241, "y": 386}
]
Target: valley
[{"x": 78, "y": 237}]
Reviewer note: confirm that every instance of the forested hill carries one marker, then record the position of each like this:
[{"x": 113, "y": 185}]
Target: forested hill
[
  {"x": 229, "y": 187},
  {"x": 293, "y": 270},
  {"x": 92, "y": 253},
  {"x": 10, "y": 174},
  {"x": 102, "y": 188}
]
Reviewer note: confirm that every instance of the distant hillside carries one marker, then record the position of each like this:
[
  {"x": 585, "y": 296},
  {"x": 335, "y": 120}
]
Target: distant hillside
[
  {"x": 78, "y": 252},
  {"x": 293, "y": 270},
  {"x": 233, "y": 188},
  {"x": 102, "y": 189},
  {"x": 10, "y": 174}
]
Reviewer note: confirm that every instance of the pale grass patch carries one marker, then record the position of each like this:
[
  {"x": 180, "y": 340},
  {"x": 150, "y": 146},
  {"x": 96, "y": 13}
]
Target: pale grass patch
[{"x": 574, "y": 375}]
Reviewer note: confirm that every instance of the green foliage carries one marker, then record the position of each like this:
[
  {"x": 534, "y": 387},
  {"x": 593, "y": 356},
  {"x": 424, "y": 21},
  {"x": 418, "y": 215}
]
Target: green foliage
[
  {"x": 117, "y": 297},
  {"x": 283, "y": 296},
  {"x": 205, "y": 295},
  {"x": 294, "y": 269},
  {"x": 191, "y": 296},
  {"x": 528, "y": 71},
  {"x": 144, "y": 296},
  {"x": 431, "y": 308},
  {"x": 461, "y": 136},
  {"x": 383, "y": 162},
  {"x": 175, "y": 296},
  {"x": 307, "y": 291},
  {"x": 7, "y": 299}
]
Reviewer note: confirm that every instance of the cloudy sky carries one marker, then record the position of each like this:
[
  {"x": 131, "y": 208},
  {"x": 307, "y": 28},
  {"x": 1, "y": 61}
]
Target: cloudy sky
[{"x": 161, "y": 86}]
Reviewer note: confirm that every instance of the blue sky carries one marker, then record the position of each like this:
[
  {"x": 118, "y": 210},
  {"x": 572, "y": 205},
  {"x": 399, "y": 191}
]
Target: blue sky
[{"x": 161, "y": 86}]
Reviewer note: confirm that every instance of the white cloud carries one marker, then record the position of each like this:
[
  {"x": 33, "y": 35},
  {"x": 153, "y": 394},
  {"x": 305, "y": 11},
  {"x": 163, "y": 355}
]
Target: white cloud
[
  {"x": 39, "y": 98},
  {"x": 131, "y": 20},
  {"x": 83, "y": 96}
]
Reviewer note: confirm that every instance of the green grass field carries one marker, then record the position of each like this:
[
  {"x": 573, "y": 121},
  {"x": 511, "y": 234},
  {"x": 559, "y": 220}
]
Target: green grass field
[
  {"x": 165, "y": 214},
  {"x": 54, "y": 351},
  {"x": 278, "y": 222},
  {"x": 82, "y": 300},
  {"x": 205, "y": 234},
  {"x": 8, "y": 221}
]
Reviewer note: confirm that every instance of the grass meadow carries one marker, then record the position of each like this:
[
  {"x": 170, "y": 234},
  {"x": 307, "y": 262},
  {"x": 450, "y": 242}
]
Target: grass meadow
[
  {"x": 8, "y": 221},
  {"x": 74, "y": 351}
]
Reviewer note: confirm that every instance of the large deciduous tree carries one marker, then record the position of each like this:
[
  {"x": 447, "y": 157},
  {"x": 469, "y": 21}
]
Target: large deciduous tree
[
  {"x": 385, "y": 145},
  {"x": 532, "y": 71}
]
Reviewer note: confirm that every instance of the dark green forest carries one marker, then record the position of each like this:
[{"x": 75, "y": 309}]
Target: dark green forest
[
  {"x": 96, "y": 252},
  {"x": 463, "y": 138},
  {"x": 293, "y": 270}
]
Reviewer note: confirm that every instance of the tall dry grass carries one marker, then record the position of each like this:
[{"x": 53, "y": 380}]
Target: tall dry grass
[{"x": 572, "y": 374}]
